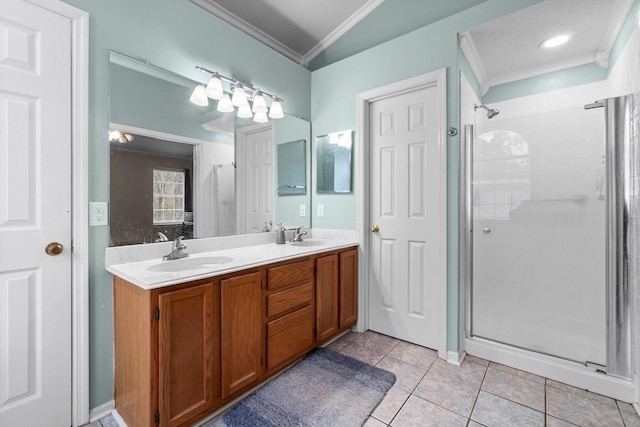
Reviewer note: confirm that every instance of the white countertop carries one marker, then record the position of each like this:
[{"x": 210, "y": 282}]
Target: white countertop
[{"x": 155, "y": 273}]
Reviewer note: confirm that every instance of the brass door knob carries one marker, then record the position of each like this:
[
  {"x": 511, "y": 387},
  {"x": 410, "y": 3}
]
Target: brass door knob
[
  {"x": 375, "y": 228},
  {"x": 54, "y": 248}
]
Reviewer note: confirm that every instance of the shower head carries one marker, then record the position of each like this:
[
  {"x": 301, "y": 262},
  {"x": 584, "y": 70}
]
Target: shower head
[{"x": 491, "y": 112}]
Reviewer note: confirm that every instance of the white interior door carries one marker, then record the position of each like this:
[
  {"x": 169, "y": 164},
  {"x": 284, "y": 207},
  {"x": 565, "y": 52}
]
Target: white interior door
[
  {"x": 407, "y": 198},
  {"x": 35, "y": 210},
  {"x": 259, "y": 187}
]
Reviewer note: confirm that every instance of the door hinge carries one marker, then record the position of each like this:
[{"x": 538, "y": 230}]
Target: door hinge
[
  {"x": 157, "y": 416},
  {"x": 157, "y": 313}
]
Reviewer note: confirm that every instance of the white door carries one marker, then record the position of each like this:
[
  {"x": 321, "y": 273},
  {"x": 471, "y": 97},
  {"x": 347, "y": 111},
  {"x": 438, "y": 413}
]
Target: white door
[
  {"x": 35, "y": 210},
  {"x": 259, "y": 188},
  {"x": 407, "y": 197}
]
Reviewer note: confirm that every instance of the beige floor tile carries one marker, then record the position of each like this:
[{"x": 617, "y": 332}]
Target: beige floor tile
[
  {"x": 420, "y": 413},
  {"x": 514, "y": 388},
  {"x": 448, "y": 392},
  {"x": 390, "y": 405},
  {"x": 495, "y": 411},
  {"x": 372, "y": 422},
  {"x": 583, "y": 393},
  {"x": 363, "y": 354},
  {"x": 376, "y": 341},
  {"x": 467, "y": 373},
  {"x": 477, "y": 360},
  {"x": 631, "y": 419},
  {"x": 579, "y": 409},
  {"x": 407, "y": 376},
  {"x": 555, "y": 422},
  {"x": 518, "y": 372},
  {"x": 414, "y": 354}
]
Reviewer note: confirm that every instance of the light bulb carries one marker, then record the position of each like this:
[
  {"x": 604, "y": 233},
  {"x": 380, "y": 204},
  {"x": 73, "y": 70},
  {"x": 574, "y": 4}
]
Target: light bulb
[
  {"x": 276, "y": 109},
  {"x": 114, "y": 135},
  {"x": 199, "y": 96},
  {"x": 261, "y": 118},
  {"x": 239, "y": 97},
  {"x": 214, "y": 87},
  {"x": 225, "y": 105},
  {"x": 259, "y": 105},
  {"x": 244, "y": 111}
]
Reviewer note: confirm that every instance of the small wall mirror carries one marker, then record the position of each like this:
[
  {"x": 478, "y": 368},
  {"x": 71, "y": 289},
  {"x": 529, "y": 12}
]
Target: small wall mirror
[
  {"x": 292, "y": 168},
  {"x": 334, "y": 162}
]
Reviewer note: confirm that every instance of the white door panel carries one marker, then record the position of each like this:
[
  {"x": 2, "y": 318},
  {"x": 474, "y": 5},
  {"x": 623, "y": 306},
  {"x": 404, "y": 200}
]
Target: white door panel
[
  {"x": 259, "y": 191},
  {"x": 35, "y": 210},
  {"x": 406, "y": 196}
]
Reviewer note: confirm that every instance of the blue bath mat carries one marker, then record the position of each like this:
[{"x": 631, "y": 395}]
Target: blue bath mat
[{"x": 323, "y": 389}]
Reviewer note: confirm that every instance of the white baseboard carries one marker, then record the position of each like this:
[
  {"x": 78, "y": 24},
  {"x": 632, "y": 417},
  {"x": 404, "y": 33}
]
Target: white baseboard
[
  {"x": 101, "y": 411},
  {"x": 456, "y": 357}
]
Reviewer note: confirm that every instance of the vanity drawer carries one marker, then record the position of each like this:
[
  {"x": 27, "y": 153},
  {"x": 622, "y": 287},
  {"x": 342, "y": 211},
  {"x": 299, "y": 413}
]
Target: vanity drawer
[
  {"x": 285, "y": 275},
  {"x": 279, "y": 302},
  {"x": 289, "y": 336}
]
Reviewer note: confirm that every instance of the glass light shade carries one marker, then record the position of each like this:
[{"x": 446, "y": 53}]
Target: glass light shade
[
  {"x": 259, "y": 105},
  {"x": 261, "y": 117},
  {"x": 114, "y": 135},
  {"x": 244, "y": 111},
  {"x": 239, "y": 97},
  {"x": 334, "y": 139},
  {"x": 214, "y": 88},
  {"x": 225, "y": 105},
  {"x": 199, "y": 96},
  {"x": 276, "y": 110}
]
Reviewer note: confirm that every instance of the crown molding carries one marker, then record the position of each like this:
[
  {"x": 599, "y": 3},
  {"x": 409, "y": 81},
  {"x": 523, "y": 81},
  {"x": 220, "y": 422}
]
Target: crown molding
[
  {"x": 340, "y": 30},
  {"x": 619, "y": 15},
  {"x": 242, "y": 25},
  {"x": 470, "y": 51}
]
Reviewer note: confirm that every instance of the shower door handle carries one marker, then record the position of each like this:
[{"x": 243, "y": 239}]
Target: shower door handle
[{"x": 486, "y": 230}]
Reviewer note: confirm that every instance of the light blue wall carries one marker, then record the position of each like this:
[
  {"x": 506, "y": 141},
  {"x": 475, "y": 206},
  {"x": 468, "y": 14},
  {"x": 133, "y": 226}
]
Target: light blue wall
[
  {"x": 334, "y": 89},
  {"x": 175, "y": 35}
]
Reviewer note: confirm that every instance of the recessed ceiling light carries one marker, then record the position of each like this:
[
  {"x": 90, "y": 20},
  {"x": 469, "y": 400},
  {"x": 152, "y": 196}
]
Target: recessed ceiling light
[{"x": 556, "y": 41}]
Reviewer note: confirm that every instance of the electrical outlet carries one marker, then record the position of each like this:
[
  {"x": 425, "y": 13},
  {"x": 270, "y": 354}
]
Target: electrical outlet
[
  {"x": 303, "y": 210},
  {"x": 320, "y": 211},
  {"x": 98, "y": 213}
]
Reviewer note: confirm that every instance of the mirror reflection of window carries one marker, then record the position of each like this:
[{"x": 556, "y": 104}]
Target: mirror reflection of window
[
  {"x": 334, "y": 152},
  {"x": 168, "y": 196}
]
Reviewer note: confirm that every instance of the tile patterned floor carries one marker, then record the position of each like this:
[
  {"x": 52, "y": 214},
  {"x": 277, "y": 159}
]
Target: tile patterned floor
[{"x": 430, "y": 392}]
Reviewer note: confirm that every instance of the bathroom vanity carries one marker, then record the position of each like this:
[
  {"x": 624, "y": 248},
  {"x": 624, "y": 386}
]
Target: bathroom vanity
[{"x": 191, "y": 337}]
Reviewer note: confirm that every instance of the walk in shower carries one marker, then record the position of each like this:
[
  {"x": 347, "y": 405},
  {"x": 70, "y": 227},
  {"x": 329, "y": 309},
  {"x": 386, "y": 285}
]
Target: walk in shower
[{"x": 543, "y": 221}]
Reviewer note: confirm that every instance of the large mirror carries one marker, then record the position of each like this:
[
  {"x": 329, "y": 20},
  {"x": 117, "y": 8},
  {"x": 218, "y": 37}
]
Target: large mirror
[
  {"x": 334, "y": 162},
  {"x": 182, "y": 169}
]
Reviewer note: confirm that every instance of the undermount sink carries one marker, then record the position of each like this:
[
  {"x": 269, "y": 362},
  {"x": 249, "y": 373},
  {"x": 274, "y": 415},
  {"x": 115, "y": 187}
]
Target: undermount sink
[
  {"x": 308, "y": 243},
  {"x": 189, "y": 263}
]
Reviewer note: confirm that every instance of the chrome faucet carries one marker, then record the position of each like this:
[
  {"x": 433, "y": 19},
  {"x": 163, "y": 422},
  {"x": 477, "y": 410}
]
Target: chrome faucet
[
  {"x": 162, "y": 237},
  {"x": 298, "y": 235},
  {"x": 177, "y": 251}
]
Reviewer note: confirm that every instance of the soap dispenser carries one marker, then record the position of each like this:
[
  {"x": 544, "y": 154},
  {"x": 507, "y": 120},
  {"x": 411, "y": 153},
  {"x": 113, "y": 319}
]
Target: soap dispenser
[{"x": 280, "y": 235}]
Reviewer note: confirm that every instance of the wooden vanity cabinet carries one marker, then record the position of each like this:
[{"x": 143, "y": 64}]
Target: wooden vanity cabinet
[
  {"x": 184, "y": 350},
  {"x": 289, "y": 313},
  {"x": 336, "y": 293}
]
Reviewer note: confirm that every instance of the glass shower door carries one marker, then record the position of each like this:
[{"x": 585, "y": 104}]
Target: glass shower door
[{"x": 539, "y": 227}]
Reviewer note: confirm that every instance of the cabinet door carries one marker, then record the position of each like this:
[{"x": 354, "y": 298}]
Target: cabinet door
[
  {"x": 327, "y": 297},
  {"x": 240, "y": 331},
  {"x": 348, "y": 288},
  {"x": 186, "y": 347}
]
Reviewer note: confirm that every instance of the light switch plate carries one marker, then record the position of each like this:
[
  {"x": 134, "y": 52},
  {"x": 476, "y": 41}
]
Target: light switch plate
[
  {"x": 98, "y": 213},
  {"x": 303, "y": 210},
  {"x": 320, "y": 211}
]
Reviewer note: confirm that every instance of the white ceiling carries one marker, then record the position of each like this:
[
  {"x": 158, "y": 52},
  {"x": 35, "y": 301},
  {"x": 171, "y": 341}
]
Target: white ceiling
[
  {"x": 503, "y": 50},
  {"x": 508, "y": 48}
]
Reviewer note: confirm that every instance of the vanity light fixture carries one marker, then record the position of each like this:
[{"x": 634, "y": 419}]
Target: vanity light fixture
[
  {"x": 121, "y": 137},
  {"x": 556, "y": 41},
  {"x": 214, "y": 87},
  {"x": 199, "y": 96},
  {"x": 242, "y": 94}
]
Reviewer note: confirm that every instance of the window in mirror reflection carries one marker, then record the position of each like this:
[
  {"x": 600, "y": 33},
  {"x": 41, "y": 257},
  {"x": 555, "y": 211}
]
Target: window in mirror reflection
[
  {"x": 168, "y": 196},
  {"x": 334, "y": 153}
]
